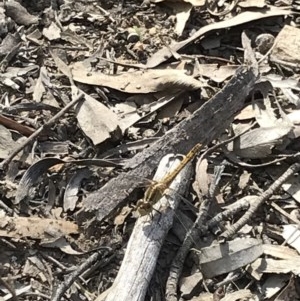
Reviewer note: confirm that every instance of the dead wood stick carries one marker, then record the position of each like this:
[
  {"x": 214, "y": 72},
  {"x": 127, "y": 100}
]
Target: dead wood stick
[
  {"x": 64, "y": 286},
  {"x": 178, "y": 261},
  {"x": 205, "y": 125},
  {"x": 199, "y": 224},
  {"x": 146, "y": 240},
  {"x": 34, "y": 135}
]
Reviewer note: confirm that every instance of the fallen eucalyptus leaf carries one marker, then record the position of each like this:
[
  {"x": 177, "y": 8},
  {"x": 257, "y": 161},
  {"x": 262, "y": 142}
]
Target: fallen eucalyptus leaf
[
  {"x": 259, "y": 142},
  {"x": 97, "y": 121},
  {"x": 226, "y": 257},
  {"x": 145, "y": 81},
  {"x": 32, "y": 175}
]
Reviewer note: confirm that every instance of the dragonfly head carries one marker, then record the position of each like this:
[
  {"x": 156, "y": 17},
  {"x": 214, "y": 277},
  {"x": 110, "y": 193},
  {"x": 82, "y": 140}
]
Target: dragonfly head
[{"x": 143, "y": 208}]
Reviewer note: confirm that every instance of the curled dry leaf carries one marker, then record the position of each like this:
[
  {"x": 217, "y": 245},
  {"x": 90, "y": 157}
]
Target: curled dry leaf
[
  {"x": 31, "y": 176},
  {"x": 70, "y": 196}
]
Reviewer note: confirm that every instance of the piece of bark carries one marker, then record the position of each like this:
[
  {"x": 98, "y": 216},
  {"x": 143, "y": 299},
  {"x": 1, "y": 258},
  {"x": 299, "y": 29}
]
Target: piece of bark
[
  {"x": 205, "y": 125},
  {"x": 147, "y": 238}
]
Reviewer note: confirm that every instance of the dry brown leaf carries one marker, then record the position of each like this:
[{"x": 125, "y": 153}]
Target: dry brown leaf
[
  {"x": 202, "y": 180},
  {"x": 215, "y": 72},
  {"x": 12, "y": 74},
  {"x": 171, "y": 109},
  {"x": 264, "y": 113},
  {"x": 286, "y": 45},
  {"x": 291, "y": 234},
  {"x": 121, "y": 217},
  {"x": 280, "y": 252},
  {"x": 246, "y": 113},
  {"x": 182, "y": 11},
  {"x": 268, "y": 265},
  {"x": 31, "y": 176},
  {"x": 162, "y": 100},
  {"x": 146, "y": 81},
  {"x": 244, "y": 180},
  {"x": 218, "y": 259},
  {"x": 35, "y": 227},
  {"x": 39, "y": 88},
  {"x": 189, "y": 284},
  {"x": 193, "y": 2},
  {"x": 62, "y": 244},
  {"x": 96, "y": 120},
  {"x": 7, "y": 143},
  {"x": 19, "y": 14},
  {"x": 9, "y": 42},
  {"x": 258, "y": 143},
  {"x": 74, "y": 39},
  {"x": 61, "y": 65}
]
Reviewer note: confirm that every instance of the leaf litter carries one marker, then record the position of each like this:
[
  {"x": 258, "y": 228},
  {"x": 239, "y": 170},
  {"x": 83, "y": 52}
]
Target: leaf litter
[{"x": 93, "y": 95}]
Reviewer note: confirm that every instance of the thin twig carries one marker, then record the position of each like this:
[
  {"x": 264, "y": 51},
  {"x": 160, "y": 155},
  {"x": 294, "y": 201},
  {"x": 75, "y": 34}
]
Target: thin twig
[
  {"x": 239, "y": 206},
  {"x": 259, "y": 201},
  {"x": 177, "y": 263},
  {"x": 58, "y": 294},
  {"x": 199, "y": 228},
  {"x": 56, "y": 117}
]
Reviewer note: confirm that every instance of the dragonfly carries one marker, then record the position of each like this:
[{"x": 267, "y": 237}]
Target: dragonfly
[{"x": 157, "y": 189}]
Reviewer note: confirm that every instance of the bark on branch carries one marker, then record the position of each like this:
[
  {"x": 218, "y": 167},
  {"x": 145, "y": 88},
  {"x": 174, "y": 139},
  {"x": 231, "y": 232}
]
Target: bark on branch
[{"x": 205, "y": 125}]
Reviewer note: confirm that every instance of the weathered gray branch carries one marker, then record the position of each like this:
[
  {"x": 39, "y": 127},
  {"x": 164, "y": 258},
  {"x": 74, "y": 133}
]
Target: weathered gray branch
[{"x": 205, "y": 125}]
